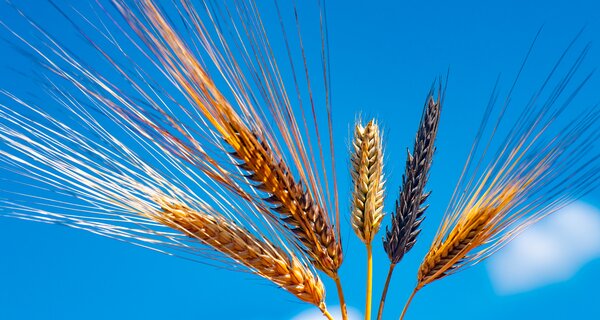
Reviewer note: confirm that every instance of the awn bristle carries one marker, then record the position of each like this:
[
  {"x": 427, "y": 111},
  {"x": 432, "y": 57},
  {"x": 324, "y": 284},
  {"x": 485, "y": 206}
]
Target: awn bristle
[
  {"x": 295, "y": 206},
  {"x": 408, "y": 215},
  {"x": 260, "y": 256},
  {"x": 368, "y": 181}
]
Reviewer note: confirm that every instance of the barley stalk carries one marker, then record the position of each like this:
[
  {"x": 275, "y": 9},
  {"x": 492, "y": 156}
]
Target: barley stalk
[
  {"x": 476, "y": 226},
  {"x": 408, "y": 215},
  {"x": 540, "y": 166},
  {"x": 367, "y": 197},
  {"x": 295, "y": 207},
  {"x": 259, "y": 255}
]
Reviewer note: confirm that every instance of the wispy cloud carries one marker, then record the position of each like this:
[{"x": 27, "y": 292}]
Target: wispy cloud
[
  {"x": 551, "y": 251},
  {"x": 314, "y": 314}
]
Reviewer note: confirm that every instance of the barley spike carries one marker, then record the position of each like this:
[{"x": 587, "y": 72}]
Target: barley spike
[
  {"x": 259, "y": 255},
  {"x": 410, "y": 208},
  {"x": 368, "y": 181},
  {"x": 293, "y": 204},
  {"x": 408, "y": 215}
]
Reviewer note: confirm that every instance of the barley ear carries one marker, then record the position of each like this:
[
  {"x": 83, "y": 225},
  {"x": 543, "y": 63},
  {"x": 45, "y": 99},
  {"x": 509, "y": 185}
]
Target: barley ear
[
  {"x": 368, "y": 181},
  {"x": 367, "y": 196},
  {"x": 476, "y": 225},
  {"x": 257, "y": 254},
  {"x": 410, "y": 208},
  {"x": 292, "y": 205}
]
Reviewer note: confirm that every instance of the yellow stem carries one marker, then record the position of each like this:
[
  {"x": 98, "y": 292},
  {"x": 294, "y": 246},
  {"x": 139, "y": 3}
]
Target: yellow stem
[
  {"x": 412, "y": 295},
  {"x": 369, "y": 281},
  {"x": 325, "y": 312},
  {"x": 338, "y": 284},
  {"x": 385, "y": 290}
]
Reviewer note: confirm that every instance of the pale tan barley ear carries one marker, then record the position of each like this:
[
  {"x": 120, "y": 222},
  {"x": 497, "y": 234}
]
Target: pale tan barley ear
[
  {"x": 368, "y": 193},
  {"x": 367, "y": 180}
]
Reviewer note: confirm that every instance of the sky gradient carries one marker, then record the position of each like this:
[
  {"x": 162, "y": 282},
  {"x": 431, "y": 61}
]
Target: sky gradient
[{"x": 385, "y": 55}]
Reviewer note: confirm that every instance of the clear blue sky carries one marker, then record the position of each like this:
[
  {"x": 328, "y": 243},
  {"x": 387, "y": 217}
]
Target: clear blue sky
[{"x": 385, "y": 55}]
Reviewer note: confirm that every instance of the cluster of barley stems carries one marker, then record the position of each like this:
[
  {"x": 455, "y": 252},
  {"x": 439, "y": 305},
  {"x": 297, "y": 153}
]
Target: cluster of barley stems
[{"x": 243, "y": 180}]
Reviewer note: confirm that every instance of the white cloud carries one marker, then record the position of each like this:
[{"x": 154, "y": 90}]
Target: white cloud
[
  {"x": 315, "y": 314},
  {"x": 551, "y": 251}
]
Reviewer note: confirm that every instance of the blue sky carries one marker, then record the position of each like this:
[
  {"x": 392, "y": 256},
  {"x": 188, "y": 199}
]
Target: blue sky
[{"x": 385, "y": 55}]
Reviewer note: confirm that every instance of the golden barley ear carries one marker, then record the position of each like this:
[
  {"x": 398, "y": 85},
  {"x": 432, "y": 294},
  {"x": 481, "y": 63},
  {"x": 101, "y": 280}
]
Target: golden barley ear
[
  {"x": 368, "y": 181},
  {"x": 294, "y": 205},
  {"x": 259, "y": 255},
  {"x": 475, "y": 227}
]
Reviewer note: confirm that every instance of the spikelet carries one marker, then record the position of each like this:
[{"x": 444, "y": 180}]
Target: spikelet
[
  {"x": 368, "y": 181},
  {"x": 260, "y": 256}
]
